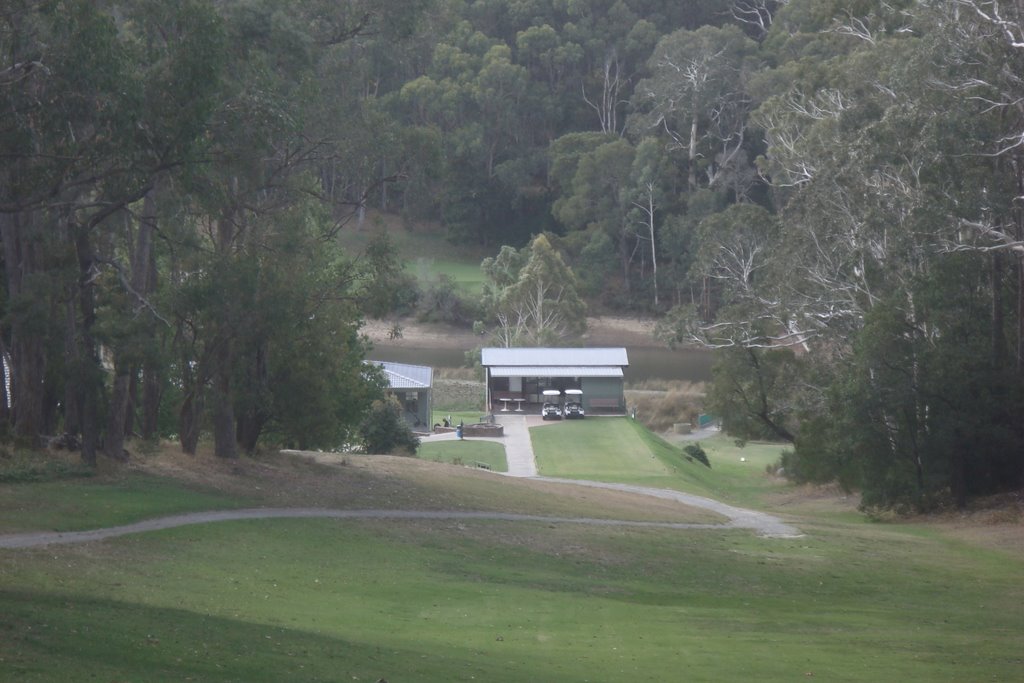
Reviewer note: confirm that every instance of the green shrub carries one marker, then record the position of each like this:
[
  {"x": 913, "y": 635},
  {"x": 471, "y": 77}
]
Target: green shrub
[
  {"x": 441, "y": 302},
  {"x": 695, "y": 451},
  {"x": 383, "y": 431}
]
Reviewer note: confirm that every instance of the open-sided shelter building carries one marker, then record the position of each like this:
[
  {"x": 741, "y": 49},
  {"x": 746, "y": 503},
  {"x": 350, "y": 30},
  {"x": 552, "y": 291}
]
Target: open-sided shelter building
[{"x": 520, "y": 376}]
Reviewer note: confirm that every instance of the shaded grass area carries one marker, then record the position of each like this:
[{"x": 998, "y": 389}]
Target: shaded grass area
[
  {"x": 426, "y": 254},
  {"x": 467, "y": 277},
  {"x": 72, "y": 505},
  {"x": 18, "y": 466},
  {"x": 466, "y": 452},
  {"x": 322, "y": 600}
]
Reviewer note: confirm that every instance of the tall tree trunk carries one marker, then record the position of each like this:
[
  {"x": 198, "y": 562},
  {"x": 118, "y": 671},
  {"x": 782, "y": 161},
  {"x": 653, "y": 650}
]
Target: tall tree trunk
[
  {"x": 72, "y": 418},
  {"x": 5, "y": 378},
  {"x": 189, "y": 423},
  {"x": 252, "y": 420},
  {"x": 224, "y": 442},
  {"x": 654, "y": 247},
  {"x": 27, "y": 350},
  {"x": 222, "y": 357},
  {"x": 192, "y": 404},
  {"x": 152, "y": 384},
  {"x": 89, "y": 372},
  {"x": 998, "y": 329},
  {"x": 113, "y": 442},
  {"x": 692, "y": 171},
  {"x": 139, "y": 285},
  {"x": 152, "y": 393},
  {"x": 133, "y": 402}
]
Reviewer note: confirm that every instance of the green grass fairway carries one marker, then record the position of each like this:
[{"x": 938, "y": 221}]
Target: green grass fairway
[
  {"x": 602, "y": 449},
  {"x": 264, "y": 601},
  {"x": 466, "y": 452},
  {"x": 468, "y": 277},
  {"x": 619, "y": 449},
  {"x": 319, "y": 600}
]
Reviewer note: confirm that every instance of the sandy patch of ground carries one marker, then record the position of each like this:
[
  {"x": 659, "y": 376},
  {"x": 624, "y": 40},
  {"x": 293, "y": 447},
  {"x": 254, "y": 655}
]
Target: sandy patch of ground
[{"x": 621, "y": 331}]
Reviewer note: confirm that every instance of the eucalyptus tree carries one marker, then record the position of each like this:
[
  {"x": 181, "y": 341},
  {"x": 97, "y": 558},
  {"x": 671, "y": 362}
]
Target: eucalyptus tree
[
  {"x": 160, "y": 162},
  {"x": 178, "y": 56},
  {"x": 696, "y": 97},
  {"x": 258, "y": 210},
  {"x": 531, "y": 296},
  {"x": 983, "y": 62},
  {"x": 90, "y": 133},
  {"x": 882, "y": 169},
  {"x": 50, "y": 144},
  {"x": 599, "y": 196},
  {"x": 648, "y": 171},
  {"x": 756, "y": 14}
]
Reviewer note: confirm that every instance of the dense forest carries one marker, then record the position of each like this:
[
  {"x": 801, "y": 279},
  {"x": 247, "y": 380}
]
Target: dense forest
[{"x": 827, "y": 192}]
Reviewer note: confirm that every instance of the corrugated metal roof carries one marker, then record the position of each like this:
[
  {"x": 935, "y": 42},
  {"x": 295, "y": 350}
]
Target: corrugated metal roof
[
  {"x": 536, "y": 357},
  {"x": 405, "y": 376},
  {"x": 554, "y": 371}
]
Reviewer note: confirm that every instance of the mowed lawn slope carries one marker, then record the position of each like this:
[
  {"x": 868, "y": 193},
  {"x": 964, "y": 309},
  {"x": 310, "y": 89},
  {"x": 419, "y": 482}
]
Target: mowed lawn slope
[
  {"x": 331, "y": 600},
  {"x": 597, "y": 448}
]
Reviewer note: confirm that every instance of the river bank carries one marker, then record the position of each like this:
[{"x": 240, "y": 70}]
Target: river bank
[
  {"x": 441, "y": 346},
  {"x": 601, "y": 331}
]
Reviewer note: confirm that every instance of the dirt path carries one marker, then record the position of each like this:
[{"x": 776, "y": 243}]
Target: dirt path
[
  {"x": 739, "y": 518},
  {"x": 760, "y": 523},
  {"x": 34, "y": 539},
  {"x": 764, "y": 525}
]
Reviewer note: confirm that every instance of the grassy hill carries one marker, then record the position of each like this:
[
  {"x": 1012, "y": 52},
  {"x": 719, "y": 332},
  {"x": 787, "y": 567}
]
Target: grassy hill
[
  {"x": 424, "y": 248},
  {"x": 414, "y": 600}
]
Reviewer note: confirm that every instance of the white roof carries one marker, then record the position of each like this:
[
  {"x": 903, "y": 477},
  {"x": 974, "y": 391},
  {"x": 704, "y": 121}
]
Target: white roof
[
  {"x": 405, "y": 376},
  {"x": 554, "y": 371},
  {"x": 553, "y": 357}
]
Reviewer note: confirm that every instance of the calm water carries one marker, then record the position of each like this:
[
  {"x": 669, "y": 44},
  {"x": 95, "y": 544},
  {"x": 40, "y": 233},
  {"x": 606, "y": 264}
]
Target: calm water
[{"x": 644, "y": 363}]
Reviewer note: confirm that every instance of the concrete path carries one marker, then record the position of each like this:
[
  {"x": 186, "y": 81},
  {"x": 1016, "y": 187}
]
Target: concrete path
[
  {"x": 516, "y": 440},
  {"x": 521, "y": 463},
  {"x": 518, "y": 447}
]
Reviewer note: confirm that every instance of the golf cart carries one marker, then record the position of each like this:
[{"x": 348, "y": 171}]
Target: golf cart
[
  {"x": 574, "y": 404},
  {"x": 552, "y": 409}
]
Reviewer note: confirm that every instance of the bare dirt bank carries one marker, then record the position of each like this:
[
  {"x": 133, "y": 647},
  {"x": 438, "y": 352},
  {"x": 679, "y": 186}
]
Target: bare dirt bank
[{"x": 601, "y": 331}]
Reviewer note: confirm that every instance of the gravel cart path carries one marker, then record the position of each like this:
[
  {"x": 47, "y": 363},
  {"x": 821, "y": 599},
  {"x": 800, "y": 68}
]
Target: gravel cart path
[{"x": 521, "y": 464}]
